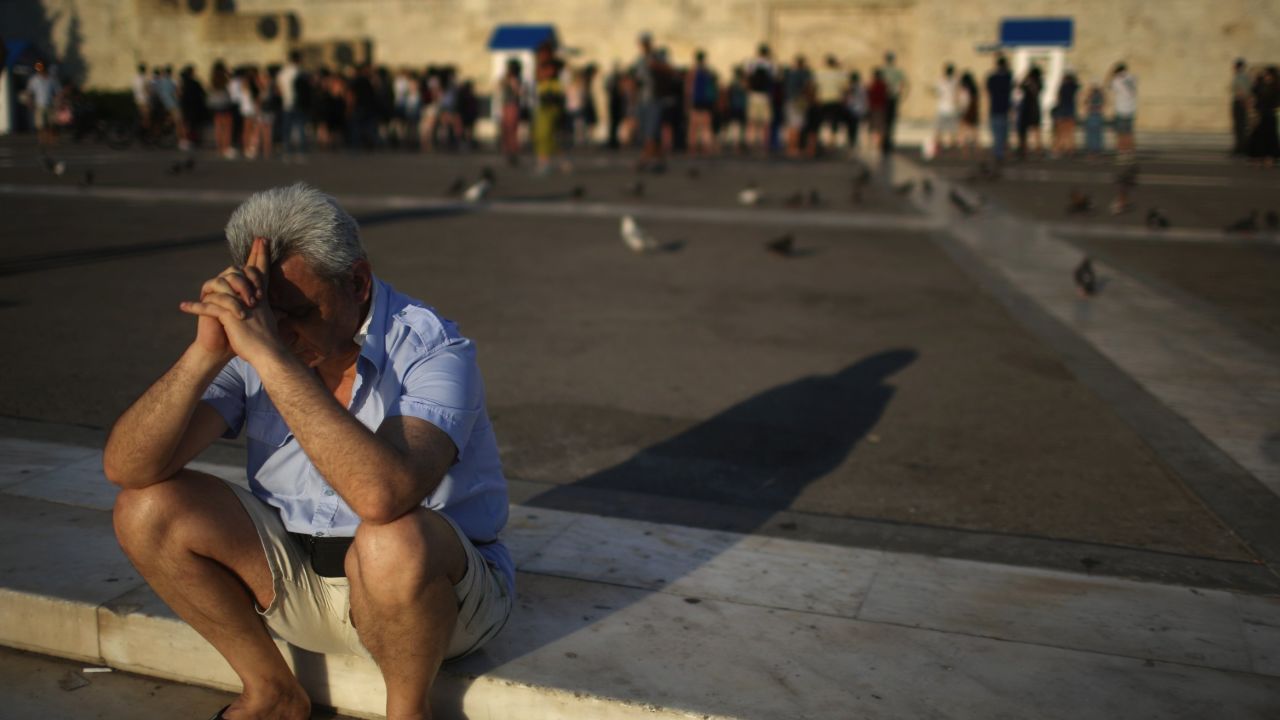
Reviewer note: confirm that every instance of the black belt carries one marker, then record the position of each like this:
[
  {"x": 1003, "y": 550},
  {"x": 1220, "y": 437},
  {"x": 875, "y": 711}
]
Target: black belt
[{"x": 328, "y": 554}]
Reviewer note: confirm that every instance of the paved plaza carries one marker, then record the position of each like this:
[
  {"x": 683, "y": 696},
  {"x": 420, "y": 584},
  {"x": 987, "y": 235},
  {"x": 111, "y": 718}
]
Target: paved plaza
[{"x": 905, "y": 471}]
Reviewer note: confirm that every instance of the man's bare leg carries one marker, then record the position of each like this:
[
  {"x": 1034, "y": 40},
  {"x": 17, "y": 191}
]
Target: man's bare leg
[
  {"x": 198, "y": 549},
  {"x": 403, "y": 605}
]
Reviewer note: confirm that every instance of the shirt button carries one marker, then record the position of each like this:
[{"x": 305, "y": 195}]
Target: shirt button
[{"x": 328, "y": 493}]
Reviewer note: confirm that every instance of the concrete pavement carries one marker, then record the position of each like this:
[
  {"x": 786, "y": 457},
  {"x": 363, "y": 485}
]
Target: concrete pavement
[{"x": 643, "y": 600}]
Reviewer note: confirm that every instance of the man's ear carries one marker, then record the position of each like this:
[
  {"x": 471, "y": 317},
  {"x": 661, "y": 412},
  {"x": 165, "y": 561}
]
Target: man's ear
[{"x": 361, "y": 280}]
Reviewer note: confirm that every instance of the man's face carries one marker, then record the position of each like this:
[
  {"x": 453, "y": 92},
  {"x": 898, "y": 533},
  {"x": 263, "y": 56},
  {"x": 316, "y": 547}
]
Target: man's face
[{"x": 317, "y": 317}]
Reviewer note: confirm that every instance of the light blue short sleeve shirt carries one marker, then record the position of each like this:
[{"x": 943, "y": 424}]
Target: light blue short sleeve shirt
[{"x": 414, "y": 363}]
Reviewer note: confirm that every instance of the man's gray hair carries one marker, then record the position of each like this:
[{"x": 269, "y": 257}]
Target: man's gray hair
[{"x": 297, "y": 220}]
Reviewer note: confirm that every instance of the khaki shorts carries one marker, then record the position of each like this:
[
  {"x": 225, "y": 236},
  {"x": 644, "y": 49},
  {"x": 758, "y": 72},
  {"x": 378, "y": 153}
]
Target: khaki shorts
[
  {"x": 759, "y": 108},
  {"x": 314, "y": 612}
]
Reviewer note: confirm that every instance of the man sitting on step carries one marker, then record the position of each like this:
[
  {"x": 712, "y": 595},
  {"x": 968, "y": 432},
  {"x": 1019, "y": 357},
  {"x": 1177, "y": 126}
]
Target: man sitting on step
[{"x": 375, "y": 491}]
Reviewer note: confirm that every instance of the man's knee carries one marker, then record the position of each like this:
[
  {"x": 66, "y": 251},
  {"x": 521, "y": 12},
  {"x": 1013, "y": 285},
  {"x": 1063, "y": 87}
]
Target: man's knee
[
  {"x": 143, "y": 516},
  {"x": 402, "y": 557}
]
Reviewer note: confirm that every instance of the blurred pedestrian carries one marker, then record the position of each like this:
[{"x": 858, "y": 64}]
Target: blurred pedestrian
[
  {"x": 140, "y": 86},
  {"x": 244, "y": 92},
  {"x": 547, "y": 116},
  {"x": 858, "y": 109},
  {"x": 877, "y": 110},
  {"x": 221, "y": 105},
  {"x": 42, "y": 89},
  {"x": 1029, "y": 116},
  {"x": 999, "y": 103},
  {"x": 294, "y": 87},
  {"x": 1264, "y": 144},
  {"x": 1241, "y": 94},
  {"x": 195, "y": 108},
  {"x": 166, "y": 94},
  {"x": 511, "y": 95},
  {"x": 896, "y": 82},
  {"x": 797, "y": 82},
  {"x": 947, "y": 90},
  {"x": 761, "y": 76},
  {"x": 733, "y": 106},
  {"x": 1124, "y": 106},
  {"x": 701, "y": 93},
  {"x": 1064, "y": 116},
  {"x": 968, "y": 104},
  {"x": 829, "y": 92},
  {"x": 1094, "y": 121}
]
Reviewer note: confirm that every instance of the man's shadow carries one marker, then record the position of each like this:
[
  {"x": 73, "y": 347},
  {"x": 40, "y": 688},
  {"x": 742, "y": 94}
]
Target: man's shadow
[{"x": 753, "y": 460}]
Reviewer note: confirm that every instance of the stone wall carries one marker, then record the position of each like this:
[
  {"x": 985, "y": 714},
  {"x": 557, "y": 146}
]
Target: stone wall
[{"x": 1180, "y": 50}]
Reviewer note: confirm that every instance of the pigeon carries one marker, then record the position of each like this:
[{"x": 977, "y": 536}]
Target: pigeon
[
  {"x": 579, "y": 192},
  {"x": 456, "y": 187},
  {"x": 1156, "y": 220},
  {"x": 1121, "y": 204},
  {"x": 1086, "y": 280},
  {"x": 1078, "y": 203},
  {"x": 636, "y": 189},
  {"x": 984, "y": 171},
  {"x": 961, "y": 203},
  {"x": 57, "y": 167},
  {"x": 751, "y": 195},
  {"x": 189, "y": 164},
  {"x": 1245, "y": 224},
  {"x": 783, "y": 246},
  {"x": 176, "y": 168},
  {"x": 926, "y": 186},
  {"x": 635, "y": 238},
  {"x": 486, "y": 173},
  {"x": 905, "y": 188},
  {"x": 1273, "y": 221},
  {"x": 795, "y": 200},
  {"x": 479, "y": 191}
]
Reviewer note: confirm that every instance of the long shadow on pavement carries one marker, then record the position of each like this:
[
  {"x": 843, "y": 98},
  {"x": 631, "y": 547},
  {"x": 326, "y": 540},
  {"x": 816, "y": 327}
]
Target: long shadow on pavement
[{"x": 757, "y": 457}]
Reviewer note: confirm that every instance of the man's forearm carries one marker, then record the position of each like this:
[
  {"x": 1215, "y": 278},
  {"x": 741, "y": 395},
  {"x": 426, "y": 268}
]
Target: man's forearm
[
  {"x": 368, "y": 473},
  {"x": 141, "y": 448}
]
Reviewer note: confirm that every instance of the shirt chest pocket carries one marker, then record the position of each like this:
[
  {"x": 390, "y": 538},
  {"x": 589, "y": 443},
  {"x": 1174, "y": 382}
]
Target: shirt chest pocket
[{"x": 267, "y": 428}]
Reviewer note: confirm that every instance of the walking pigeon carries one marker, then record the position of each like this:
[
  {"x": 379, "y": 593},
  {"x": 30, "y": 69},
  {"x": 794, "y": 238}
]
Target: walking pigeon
[
  {"x": 1245, "y": 224},
  {"x": 750, "y": 195},
  {"x": 478, "y": 191},
  {"x": 1086, "y": 280},
  {"x": 1156, "y": 220},
  {"x": 1079, "y": 203},
  {"x": 635, "y": 238},
  {"x": 783, "y": 246}
]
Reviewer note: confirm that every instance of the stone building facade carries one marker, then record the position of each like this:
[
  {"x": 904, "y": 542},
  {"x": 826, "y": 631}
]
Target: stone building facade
[{"x": 1180, "y": 50}]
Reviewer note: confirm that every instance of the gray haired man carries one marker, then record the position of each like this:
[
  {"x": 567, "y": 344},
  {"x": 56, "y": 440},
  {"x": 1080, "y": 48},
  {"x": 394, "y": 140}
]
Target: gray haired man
[{"x": 375, "y": 491}]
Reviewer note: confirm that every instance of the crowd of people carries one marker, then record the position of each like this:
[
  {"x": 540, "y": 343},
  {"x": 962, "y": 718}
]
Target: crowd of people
[{"x": 655, "y": 104}]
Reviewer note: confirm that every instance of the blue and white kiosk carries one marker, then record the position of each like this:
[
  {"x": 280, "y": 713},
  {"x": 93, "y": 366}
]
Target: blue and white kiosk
[{"x": 1039, "y": 41}]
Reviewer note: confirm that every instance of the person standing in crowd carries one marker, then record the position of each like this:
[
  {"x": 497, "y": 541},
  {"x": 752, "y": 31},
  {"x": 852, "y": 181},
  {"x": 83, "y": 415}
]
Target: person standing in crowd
[
  {"x": 999, "y": 103},
  {"x": 590, "y": 113},
  {"x": 858, "y": 109},
  {"x": 701, "y": 92},
  {"x": 221, "y": 106},
  {"x": 547, "y": 116},
  {"x": 616, "y": 96},
  {"x": 244, "y": 91},
  {"x": 195, "y": 107},
  {"x": 829, "y": 91},
  {"x": 1241, "y": 92},
  {"x": 877, "y": 110},
  {"x": 796, "y": 83},
  {"x": 967, "y": 106},
  {"x": 294, "y": 105},
  {"x": 760, "y": 73},
  {"x": 42, "y": 89},
  {"x": 1029, "y": 111},
  {"x": 1064, "y": 116},
  {"x": 269, "y": 106},
  {"x": 1264, "y": 143},
  {"x": 648, "y": 103},
  {"x": 1124, "y": 106},
  {"x": 947, "y": 91},
  {"x": 1094, "y": 103},
  {"x": 511, "y": 94},
  {"x": 733, "y": 108},
  {"x": 331, "y": 125},
  {"x": 896, "y": 83},
  {"x": 140, "y": 86},
  {"x": 669, "y": 87},
  {"x": 575, "y": 93},
  {"x": 468, "y": 114},
  {"x": 166, "y": 92}
]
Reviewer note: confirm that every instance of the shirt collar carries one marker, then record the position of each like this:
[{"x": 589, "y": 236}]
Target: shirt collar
[{"x": 362, "y": 334}]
